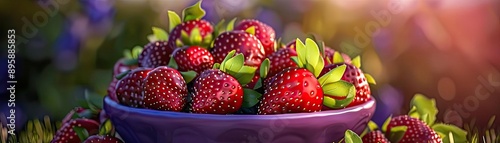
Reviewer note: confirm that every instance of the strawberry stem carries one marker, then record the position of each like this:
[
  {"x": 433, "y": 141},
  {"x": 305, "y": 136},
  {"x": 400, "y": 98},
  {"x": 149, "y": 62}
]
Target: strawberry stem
[{"x": 193, "y": 12}]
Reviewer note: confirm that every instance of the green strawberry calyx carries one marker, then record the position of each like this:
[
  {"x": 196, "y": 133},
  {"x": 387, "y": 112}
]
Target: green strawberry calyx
[
  {"x": 233, "y": 64},
  {"x": 351, "y": 137},
  {"x": 194, "y": 38},
  {"x": 337, "y": 93}
]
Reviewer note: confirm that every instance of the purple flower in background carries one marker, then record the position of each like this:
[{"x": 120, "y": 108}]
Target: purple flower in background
[{"x": 67, "y": 47}]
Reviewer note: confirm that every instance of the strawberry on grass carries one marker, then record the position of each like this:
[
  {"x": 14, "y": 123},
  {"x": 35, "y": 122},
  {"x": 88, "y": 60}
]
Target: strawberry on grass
[
  {"x": 220, "y": 91},
  {"x": 301, "y": 89}
]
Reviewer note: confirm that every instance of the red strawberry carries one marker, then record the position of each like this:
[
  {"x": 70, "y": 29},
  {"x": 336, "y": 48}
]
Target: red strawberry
[
  {"x": 292, "y": 91},
  {"x": 129, "y": 88},
  {"x": 375, "y": 137},
  {"x": 300, "y": 89},
  {"x": 355, "y": 76},
  {"x": 155, "y": 54},
  {"x": 280, "y": 60},
  {"x": 417, "y": 131},
  {"x": 263, "y": 32},
  {"x": 216, "y": 92},
  {"x": 122, "y": 65},
  {"x": 204, "y": 27},
  {"x": 242, "y": 42},
  {"x": 164, "y": 89},
  {"x": 102, "y": 139},
  {"x": 67, "y": 134},
  {"x": 193, "y": 58}
]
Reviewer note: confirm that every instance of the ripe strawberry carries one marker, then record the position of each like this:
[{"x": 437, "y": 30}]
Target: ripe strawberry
[
  {"x": 375, "y": 137},
  {"x": 112, "y": 89},
  {"x": 263, "y": 32},
  {"x": 280, "y": 60},
  {"x": 129, "y": 88},
  {"x": 355, "y": 76},
  {"x": 242, "y": 42},
  {"x": 129, "y": 62},
  {"x": 67, "y": 134},
  {"x": 216, "y": 92},
  {"x": 294, "y": 90},
  {"x": 193, "y": 58},
  {"x": 164, "y": 89},
  {"x": 417, "y": 131},
  {"x": 155, "y": 54},
  {"x": 300, "y": 89},
  {"x": 102, "y": 139},
  {"x": 219, "y": 91},
  {"x": 205, "y": 31}
]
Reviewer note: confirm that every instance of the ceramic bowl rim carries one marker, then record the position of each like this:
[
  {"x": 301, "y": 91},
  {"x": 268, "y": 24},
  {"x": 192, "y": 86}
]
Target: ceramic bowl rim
[{"x": 109, "y": 103}]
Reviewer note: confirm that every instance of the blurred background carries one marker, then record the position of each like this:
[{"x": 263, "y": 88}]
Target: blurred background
[{"x": 446, "y": 49}]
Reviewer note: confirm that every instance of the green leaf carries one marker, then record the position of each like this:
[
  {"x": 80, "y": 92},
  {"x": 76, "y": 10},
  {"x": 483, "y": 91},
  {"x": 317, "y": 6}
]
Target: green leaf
[
  {"x": 185, "y": 38},
  {"x": 95, "y": 101},
  {"x": 245, "y": 75},
  {"x": 351, "y": 137},
  {"x": 491, "y": 121},
  {"x": 172, "y": 63},
  {"x": 258, "y": 84},
  {"x": 250, "y": 98},
  {"x": 339, "y": 89},
  {"x": 193, "y": 12},
  {"x": 459, "y": 135},
  {"x": 332, "y": 75},
  {"x": 397, "y": 133},
  {"x": 136, "y": 51},
  {"x": 195, "y": 36},
  {"x": 216, "y": 66},
  {"x": 313, "y": 54},
  {"x": 301, "y": 53},
  {"x": 386, "y": 123},
  {"x": 179, "y": 42},
  {"x": 356, "y": 61},
  {"x": 250, "y": 30},
  {"x": 264, "y": 68},
  {"x": 173, "y": 20},
  {"x": 234, "y": 64},
  {"x": 188, "y": 76},
  {"x": 218, "y": 28},
  {"x": 370, "y": 79},
  {"x": 127, "y": 54},
  {"x": 207, "y": 40},
  {"x": 228, "y": 56},
  {"x": 81, "y": 132},
  {"x": 296, "y": 60},
  {"x": 230, "y": 25},
  {"x": 318, "y": 68},
  {"x": 425, "y": 106},
  {"x": 160, "y": 34},
  {"x": 337, "y": 58},
  {"x": 152, "y": 38},
  {"x": 372, "y": 126}
]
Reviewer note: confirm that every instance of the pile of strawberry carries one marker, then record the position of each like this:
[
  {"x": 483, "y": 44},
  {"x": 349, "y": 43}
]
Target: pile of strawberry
[
  {"x": 419, "y": 126},
  {"x": 235, "y": 68}
]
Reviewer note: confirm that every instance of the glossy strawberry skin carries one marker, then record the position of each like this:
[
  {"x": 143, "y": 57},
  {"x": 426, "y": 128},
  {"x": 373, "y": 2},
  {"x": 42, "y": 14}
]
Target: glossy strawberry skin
[
  {"x": 355, "y": 76},
  {"x": 281, "y": 60},
  {"x": 294, "y": 90},
  {"x": 164, "y": 89},
  {"x": 155, "y": 54},
  {"x": 102, "y": 139},
  {"x": 193, "y": 58},
  {"x": 417, "y": 131},
  {"x": 66, "y": 134},
  {"x": 242, "y": 42},
  {"x": 204, "y": 26},
  {"x": 129, "y": 88},
  {"x": 375, "y": 137},
  {"x": 216, "y": 92},
  {"x": 263, "y": 32}
]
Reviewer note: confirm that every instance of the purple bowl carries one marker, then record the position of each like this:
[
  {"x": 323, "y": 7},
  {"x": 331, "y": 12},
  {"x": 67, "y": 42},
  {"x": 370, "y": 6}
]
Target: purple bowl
[{"x": 150, "y": 126}]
